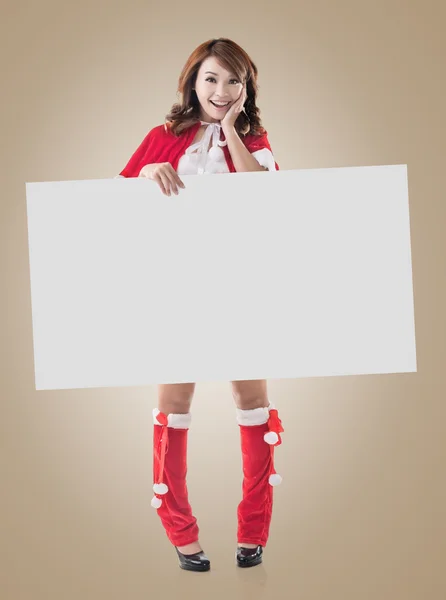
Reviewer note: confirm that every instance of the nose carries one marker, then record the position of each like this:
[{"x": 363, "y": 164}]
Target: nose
[{"x": 222, "y": 91}]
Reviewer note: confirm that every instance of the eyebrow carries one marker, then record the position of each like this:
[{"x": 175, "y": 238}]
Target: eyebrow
[{"x": 212, "y": 73}]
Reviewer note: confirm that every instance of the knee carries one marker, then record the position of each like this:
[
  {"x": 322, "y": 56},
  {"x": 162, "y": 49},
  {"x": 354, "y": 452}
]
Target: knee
[
  {"x": 250, "y": 394},
  {"x": 175, "y": 398}
]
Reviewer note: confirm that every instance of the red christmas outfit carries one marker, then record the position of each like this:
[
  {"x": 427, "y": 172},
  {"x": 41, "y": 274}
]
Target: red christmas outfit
[{"x": 259, "y": 428}]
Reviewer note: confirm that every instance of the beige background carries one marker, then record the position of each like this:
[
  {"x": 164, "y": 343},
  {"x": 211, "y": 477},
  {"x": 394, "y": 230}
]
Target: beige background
[{"x": 361, "y": 512}]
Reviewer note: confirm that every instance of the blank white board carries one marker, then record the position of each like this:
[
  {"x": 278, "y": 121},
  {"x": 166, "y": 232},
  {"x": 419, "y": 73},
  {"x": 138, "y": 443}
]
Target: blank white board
[{"x": 264, "y": 275}]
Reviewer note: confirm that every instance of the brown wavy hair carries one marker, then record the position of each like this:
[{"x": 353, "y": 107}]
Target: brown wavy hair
[{"x": 233, "y": 58}]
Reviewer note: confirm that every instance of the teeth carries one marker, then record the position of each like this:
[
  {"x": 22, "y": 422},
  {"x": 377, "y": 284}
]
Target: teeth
[{"x": 220, "y": 103}]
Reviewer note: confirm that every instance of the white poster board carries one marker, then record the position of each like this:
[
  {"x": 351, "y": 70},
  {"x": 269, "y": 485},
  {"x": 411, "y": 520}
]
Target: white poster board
[{"x": 288, "y": 274}]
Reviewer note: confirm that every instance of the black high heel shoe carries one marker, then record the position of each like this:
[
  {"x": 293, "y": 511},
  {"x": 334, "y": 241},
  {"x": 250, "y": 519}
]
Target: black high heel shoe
[
  {"x": 194, "y": 562},
  {"x": 249, "y": 557}
]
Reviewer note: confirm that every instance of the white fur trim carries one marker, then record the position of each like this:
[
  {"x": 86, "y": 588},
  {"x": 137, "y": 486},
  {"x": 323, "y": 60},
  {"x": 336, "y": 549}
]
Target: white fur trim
[
  {"x": 253, "y": 416},
  {"x": 176, "y": 421},
  {"x": 265, "y": 158},
  {"x": 271, "y": 438},
  {"x": 160, "y": 488},
  {"x": 156, "y": 502},
  {"x": 275, "y": 479}
]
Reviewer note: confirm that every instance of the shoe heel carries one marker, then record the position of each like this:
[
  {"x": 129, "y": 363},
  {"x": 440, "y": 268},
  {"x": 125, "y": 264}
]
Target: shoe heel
[
  {"x": 249, "y": 557},
  {"x": 193, "y": 562}
]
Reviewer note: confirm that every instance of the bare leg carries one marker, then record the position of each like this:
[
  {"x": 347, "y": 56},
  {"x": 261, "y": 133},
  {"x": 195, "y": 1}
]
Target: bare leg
[
  {"x": 175, "y": 398},
  {"x": 250, "y": 394}
]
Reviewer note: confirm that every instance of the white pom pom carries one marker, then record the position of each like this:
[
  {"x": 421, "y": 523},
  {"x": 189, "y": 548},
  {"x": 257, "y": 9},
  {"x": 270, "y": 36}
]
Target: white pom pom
[
  {"x": 271, "y": 438},
  {"x": 156, "y": 502},
  {"x": 275, "y": 479},
  {"x": 160, "y": 488},
  {"x": 215, "y": 153}
]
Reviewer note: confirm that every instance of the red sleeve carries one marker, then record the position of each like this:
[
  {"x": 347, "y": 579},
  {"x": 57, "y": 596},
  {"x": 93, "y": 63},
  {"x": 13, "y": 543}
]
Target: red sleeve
[
  {"x": 134, "y": 166},
  {"x": 258, "y": 142}
]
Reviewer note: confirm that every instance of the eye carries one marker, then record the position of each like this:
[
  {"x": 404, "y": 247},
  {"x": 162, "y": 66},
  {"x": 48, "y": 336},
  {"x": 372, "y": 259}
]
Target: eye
[{"x": 212, "y": 79}]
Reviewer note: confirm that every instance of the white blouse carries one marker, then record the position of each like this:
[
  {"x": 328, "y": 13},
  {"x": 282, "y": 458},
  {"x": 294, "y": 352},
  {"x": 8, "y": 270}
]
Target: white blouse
[{"x": 199, "y": 159}]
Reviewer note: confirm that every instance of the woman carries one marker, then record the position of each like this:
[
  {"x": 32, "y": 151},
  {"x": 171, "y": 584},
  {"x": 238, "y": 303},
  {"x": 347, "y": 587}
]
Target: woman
[{"x": 215, "y": 129}]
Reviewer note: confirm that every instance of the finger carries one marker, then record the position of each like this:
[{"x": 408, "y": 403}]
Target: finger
[
  {"x": 173, "y": 184},
  {"x": 164, "y": 183},
  {"x": 177, "y": 181},
  {"x": 169, "y": 173},
  {"x": 158, "y": 180},
  {"x": 180, "y": 183}
]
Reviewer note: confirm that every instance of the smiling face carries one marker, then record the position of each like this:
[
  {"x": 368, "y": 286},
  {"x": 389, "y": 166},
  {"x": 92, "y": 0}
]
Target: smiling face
[{"x": 216, "y": 86}]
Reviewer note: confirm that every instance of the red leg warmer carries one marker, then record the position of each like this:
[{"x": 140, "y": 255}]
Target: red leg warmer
[
  {"x": 169, "y": 476},
  {"x": 260, "y": 430}
]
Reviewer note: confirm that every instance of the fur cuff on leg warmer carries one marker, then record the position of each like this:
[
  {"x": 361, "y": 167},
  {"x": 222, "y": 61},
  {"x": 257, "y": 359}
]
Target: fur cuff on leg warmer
[
  {"x": 253, "y": 416},
  {"x": 176, "y": 421}
]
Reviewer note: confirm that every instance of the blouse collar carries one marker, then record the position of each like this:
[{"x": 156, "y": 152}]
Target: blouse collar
[{"x": 213, "y": 132}]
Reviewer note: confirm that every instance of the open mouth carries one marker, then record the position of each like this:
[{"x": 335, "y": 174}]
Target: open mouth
[{"x": 220, "y": 106}]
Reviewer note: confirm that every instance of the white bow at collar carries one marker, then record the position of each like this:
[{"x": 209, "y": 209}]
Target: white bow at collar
[{"x": 212, "y": 132}]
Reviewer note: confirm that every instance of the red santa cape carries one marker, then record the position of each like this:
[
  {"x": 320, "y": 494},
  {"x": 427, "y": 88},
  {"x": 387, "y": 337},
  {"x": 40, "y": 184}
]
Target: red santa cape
[{"x": 161, "y": 145}]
